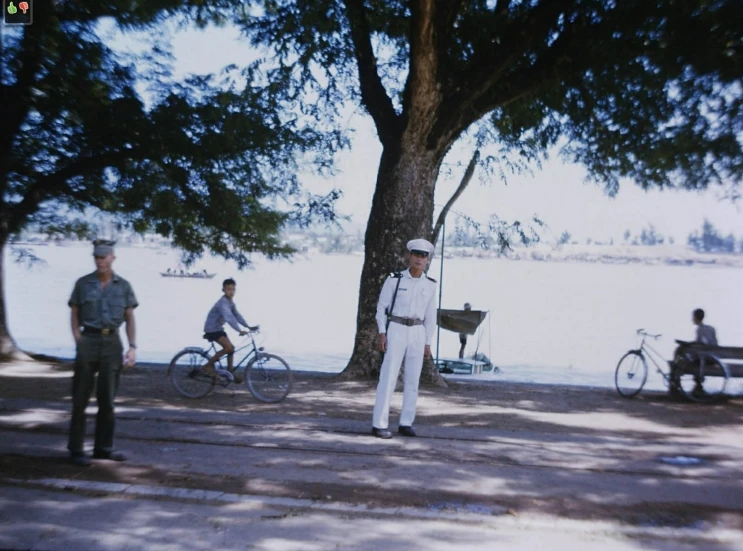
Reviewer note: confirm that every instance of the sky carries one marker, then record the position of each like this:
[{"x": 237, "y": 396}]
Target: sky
[{"x": 557, "y": 192}]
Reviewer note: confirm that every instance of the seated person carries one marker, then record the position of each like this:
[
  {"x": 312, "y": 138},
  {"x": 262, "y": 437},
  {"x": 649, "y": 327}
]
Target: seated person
[
  {"x": 686, "y": 359},
  {"x": 705, "y": 333},
  {"x": 224, "y": 311}
]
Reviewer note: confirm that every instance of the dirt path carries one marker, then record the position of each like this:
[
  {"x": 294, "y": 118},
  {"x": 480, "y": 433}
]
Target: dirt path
[{"x": 502, "y": 448}]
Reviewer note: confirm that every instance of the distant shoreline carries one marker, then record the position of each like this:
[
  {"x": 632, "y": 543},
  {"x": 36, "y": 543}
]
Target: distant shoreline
[
  {"x": 671, "y": 255},
  {"x": 647, "y": 255}
]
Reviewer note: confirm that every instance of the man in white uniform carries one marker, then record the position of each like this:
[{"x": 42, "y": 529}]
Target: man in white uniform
[{"x": 406, "y": 318}]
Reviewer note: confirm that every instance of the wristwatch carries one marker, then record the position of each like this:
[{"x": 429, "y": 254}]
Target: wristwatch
[{"x": 131, "y": 345}]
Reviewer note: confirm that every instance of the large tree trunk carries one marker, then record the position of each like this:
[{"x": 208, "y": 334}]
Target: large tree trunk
[
  {"x": 8, "y": 349},
  {"x": 402, "y": 209}
]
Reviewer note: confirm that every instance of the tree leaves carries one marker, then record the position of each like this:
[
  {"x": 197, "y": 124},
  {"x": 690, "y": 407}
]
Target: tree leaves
[{"x": 212, "y": 163}]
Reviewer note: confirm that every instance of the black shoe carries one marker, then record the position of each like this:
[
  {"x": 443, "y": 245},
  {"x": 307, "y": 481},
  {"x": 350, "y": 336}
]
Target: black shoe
[
  {"x": 405, "y": 431},
  {"x": 110, "y": 456},
  {"x": 381, "y": 433},
  {"x": 79, "y": 460}
]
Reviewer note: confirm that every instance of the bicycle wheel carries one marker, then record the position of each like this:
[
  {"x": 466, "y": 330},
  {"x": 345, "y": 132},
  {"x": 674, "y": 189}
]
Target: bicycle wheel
[
  {"x": 702, "y": 383},
  {"x": 186, "y": 376},
  {"x": 269, "y": 378},
  {"x": 631, "y": 374}
]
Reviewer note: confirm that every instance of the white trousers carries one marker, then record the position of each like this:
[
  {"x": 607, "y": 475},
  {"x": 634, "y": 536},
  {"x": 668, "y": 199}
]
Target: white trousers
[{"x": 402, "y": 343}]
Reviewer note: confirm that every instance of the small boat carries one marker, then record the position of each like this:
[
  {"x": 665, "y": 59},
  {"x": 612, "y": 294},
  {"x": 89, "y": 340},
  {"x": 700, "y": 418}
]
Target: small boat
[
  {"x": 465, "y": 366},
  {"x": 461, "y": 321},
  {"x": 195, "y": 275}
]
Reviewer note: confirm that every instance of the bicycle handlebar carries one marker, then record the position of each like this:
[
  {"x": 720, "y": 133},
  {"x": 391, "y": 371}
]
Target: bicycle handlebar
[{"x": 646, "y": 334}]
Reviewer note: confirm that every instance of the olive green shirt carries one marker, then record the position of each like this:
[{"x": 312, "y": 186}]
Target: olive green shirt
[{"x": 102, "y": 308}]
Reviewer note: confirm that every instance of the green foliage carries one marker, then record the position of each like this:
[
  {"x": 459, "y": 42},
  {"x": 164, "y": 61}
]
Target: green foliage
[
  {"x": 641, "y": 89},
  {"x": 210, "y": 164},
  {"x": 494, "y": 235},
  {"x": 650, "y": 237},
  {"x": 709, "y": 240}
]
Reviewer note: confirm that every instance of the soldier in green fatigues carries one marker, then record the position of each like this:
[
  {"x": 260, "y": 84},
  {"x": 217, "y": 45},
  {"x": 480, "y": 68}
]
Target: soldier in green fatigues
[{"x": 101, "y": 301}]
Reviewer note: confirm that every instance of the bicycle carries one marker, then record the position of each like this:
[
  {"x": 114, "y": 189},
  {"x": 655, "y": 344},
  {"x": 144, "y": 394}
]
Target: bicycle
[
  {"x": 689, "y": 374},
  {"x": 268, "y": 376}
]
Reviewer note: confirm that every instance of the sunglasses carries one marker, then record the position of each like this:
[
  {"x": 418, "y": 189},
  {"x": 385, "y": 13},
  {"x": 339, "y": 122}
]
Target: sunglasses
[{"x": 420, "y": 254}]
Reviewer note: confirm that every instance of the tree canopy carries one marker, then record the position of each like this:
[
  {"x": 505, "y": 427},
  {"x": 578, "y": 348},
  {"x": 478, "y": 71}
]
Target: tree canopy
[
  {"x": 648, "y": 90},
  {"x": 211, "y": 163}
]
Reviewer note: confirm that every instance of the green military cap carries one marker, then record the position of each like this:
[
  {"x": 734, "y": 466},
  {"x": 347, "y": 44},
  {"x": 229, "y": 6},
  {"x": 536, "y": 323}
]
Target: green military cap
[{"x": 103, "y": 247}]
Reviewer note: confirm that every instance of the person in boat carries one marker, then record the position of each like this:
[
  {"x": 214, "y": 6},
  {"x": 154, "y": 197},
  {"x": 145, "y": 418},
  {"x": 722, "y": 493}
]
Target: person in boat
[
  {"x": 224, "y": 311},
  {"x": 406, "y": 319},
  {"x": 463, "y": 336},
  {"x": 168, "y": 271}
]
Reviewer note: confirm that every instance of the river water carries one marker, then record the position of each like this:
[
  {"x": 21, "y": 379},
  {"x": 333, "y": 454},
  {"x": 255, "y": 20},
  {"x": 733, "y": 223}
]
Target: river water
[{"x": 548, "y": 322}]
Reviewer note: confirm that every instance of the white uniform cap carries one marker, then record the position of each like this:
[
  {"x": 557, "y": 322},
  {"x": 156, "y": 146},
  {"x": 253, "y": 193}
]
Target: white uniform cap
[{"x": 420, "y": 245}]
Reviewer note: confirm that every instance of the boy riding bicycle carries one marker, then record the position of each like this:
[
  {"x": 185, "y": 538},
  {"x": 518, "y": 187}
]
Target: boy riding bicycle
[{"x": 224, "y": 311}]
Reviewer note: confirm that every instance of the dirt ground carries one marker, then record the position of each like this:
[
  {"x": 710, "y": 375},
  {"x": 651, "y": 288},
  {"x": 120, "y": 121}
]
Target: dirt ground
[{"x": 569, "y": 452}]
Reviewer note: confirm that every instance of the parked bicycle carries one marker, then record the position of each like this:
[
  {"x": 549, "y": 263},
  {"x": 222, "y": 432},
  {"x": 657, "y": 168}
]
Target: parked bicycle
[
  {"x": 269, "y": 377},
  {"x": 694, "y": 375}
]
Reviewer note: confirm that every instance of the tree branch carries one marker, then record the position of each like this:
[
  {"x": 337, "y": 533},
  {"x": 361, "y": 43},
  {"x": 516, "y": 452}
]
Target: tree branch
[
  {"x": 421, "y": 89},
  {"x": 527, "y": 32},
  {"x": 553, "y": 64},
  {"x": 469, "y": 105},
  {"x": 373, "y": 94},
  {"x": 502, "y": 7},
  {"x": 460, "y": 189},
  {"x": 15, "y": 100},
  {"x": 44, "y": 187}
]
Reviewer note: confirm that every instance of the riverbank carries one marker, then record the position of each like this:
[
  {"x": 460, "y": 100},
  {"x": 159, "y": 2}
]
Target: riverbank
[
  {"x": 667, "y": 254},
  {"x": 671, "y": 255}
]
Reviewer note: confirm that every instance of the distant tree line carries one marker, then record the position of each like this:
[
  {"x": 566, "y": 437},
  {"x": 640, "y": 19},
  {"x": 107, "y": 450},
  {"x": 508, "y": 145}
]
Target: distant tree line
[
  {"x": 710, "y": 241},
  {"x": 707, "y": 239},
  {"x": 648, "y": 236}
]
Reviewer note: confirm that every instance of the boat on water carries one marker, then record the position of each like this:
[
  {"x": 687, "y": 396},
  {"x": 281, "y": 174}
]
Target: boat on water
[
  {"x": 461, "y": 321},
  {"x": 464, "y": 322},
  {"x": 186, "y": 275},
  {"x": 466, "y": 366}
]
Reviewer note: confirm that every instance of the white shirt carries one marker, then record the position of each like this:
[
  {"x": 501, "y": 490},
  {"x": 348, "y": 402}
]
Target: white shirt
[
  {"x": 223, "y": 311},
  {"x": 416, "y": 298},
  {"x": 706, "y": 334}
]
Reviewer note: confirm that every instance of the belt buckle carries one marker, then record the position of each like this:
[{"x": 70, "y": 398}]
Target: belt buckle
[
  {"x": 409, "y": 322},
  {"x": 105, "y": 331}
]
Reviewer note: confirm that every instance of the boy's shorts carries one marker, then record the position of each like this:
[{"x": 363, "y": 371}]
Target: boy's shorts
[{"x": 214, "y": 335}]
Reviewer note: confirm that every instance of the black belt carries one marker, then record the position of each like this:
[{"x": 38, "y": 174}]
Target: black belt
[
  {"x": 97, "y": 331},
  {"x": 409, "y": 322}
]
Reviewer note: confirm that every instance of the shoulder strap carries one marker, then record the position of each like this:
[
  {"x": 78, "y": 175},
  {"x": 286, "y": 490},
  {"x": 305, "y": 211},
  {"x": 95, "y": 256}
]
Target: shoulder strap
[
  {"x": 398, "y": 276},
  {"x": 430, "y": 278}
]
